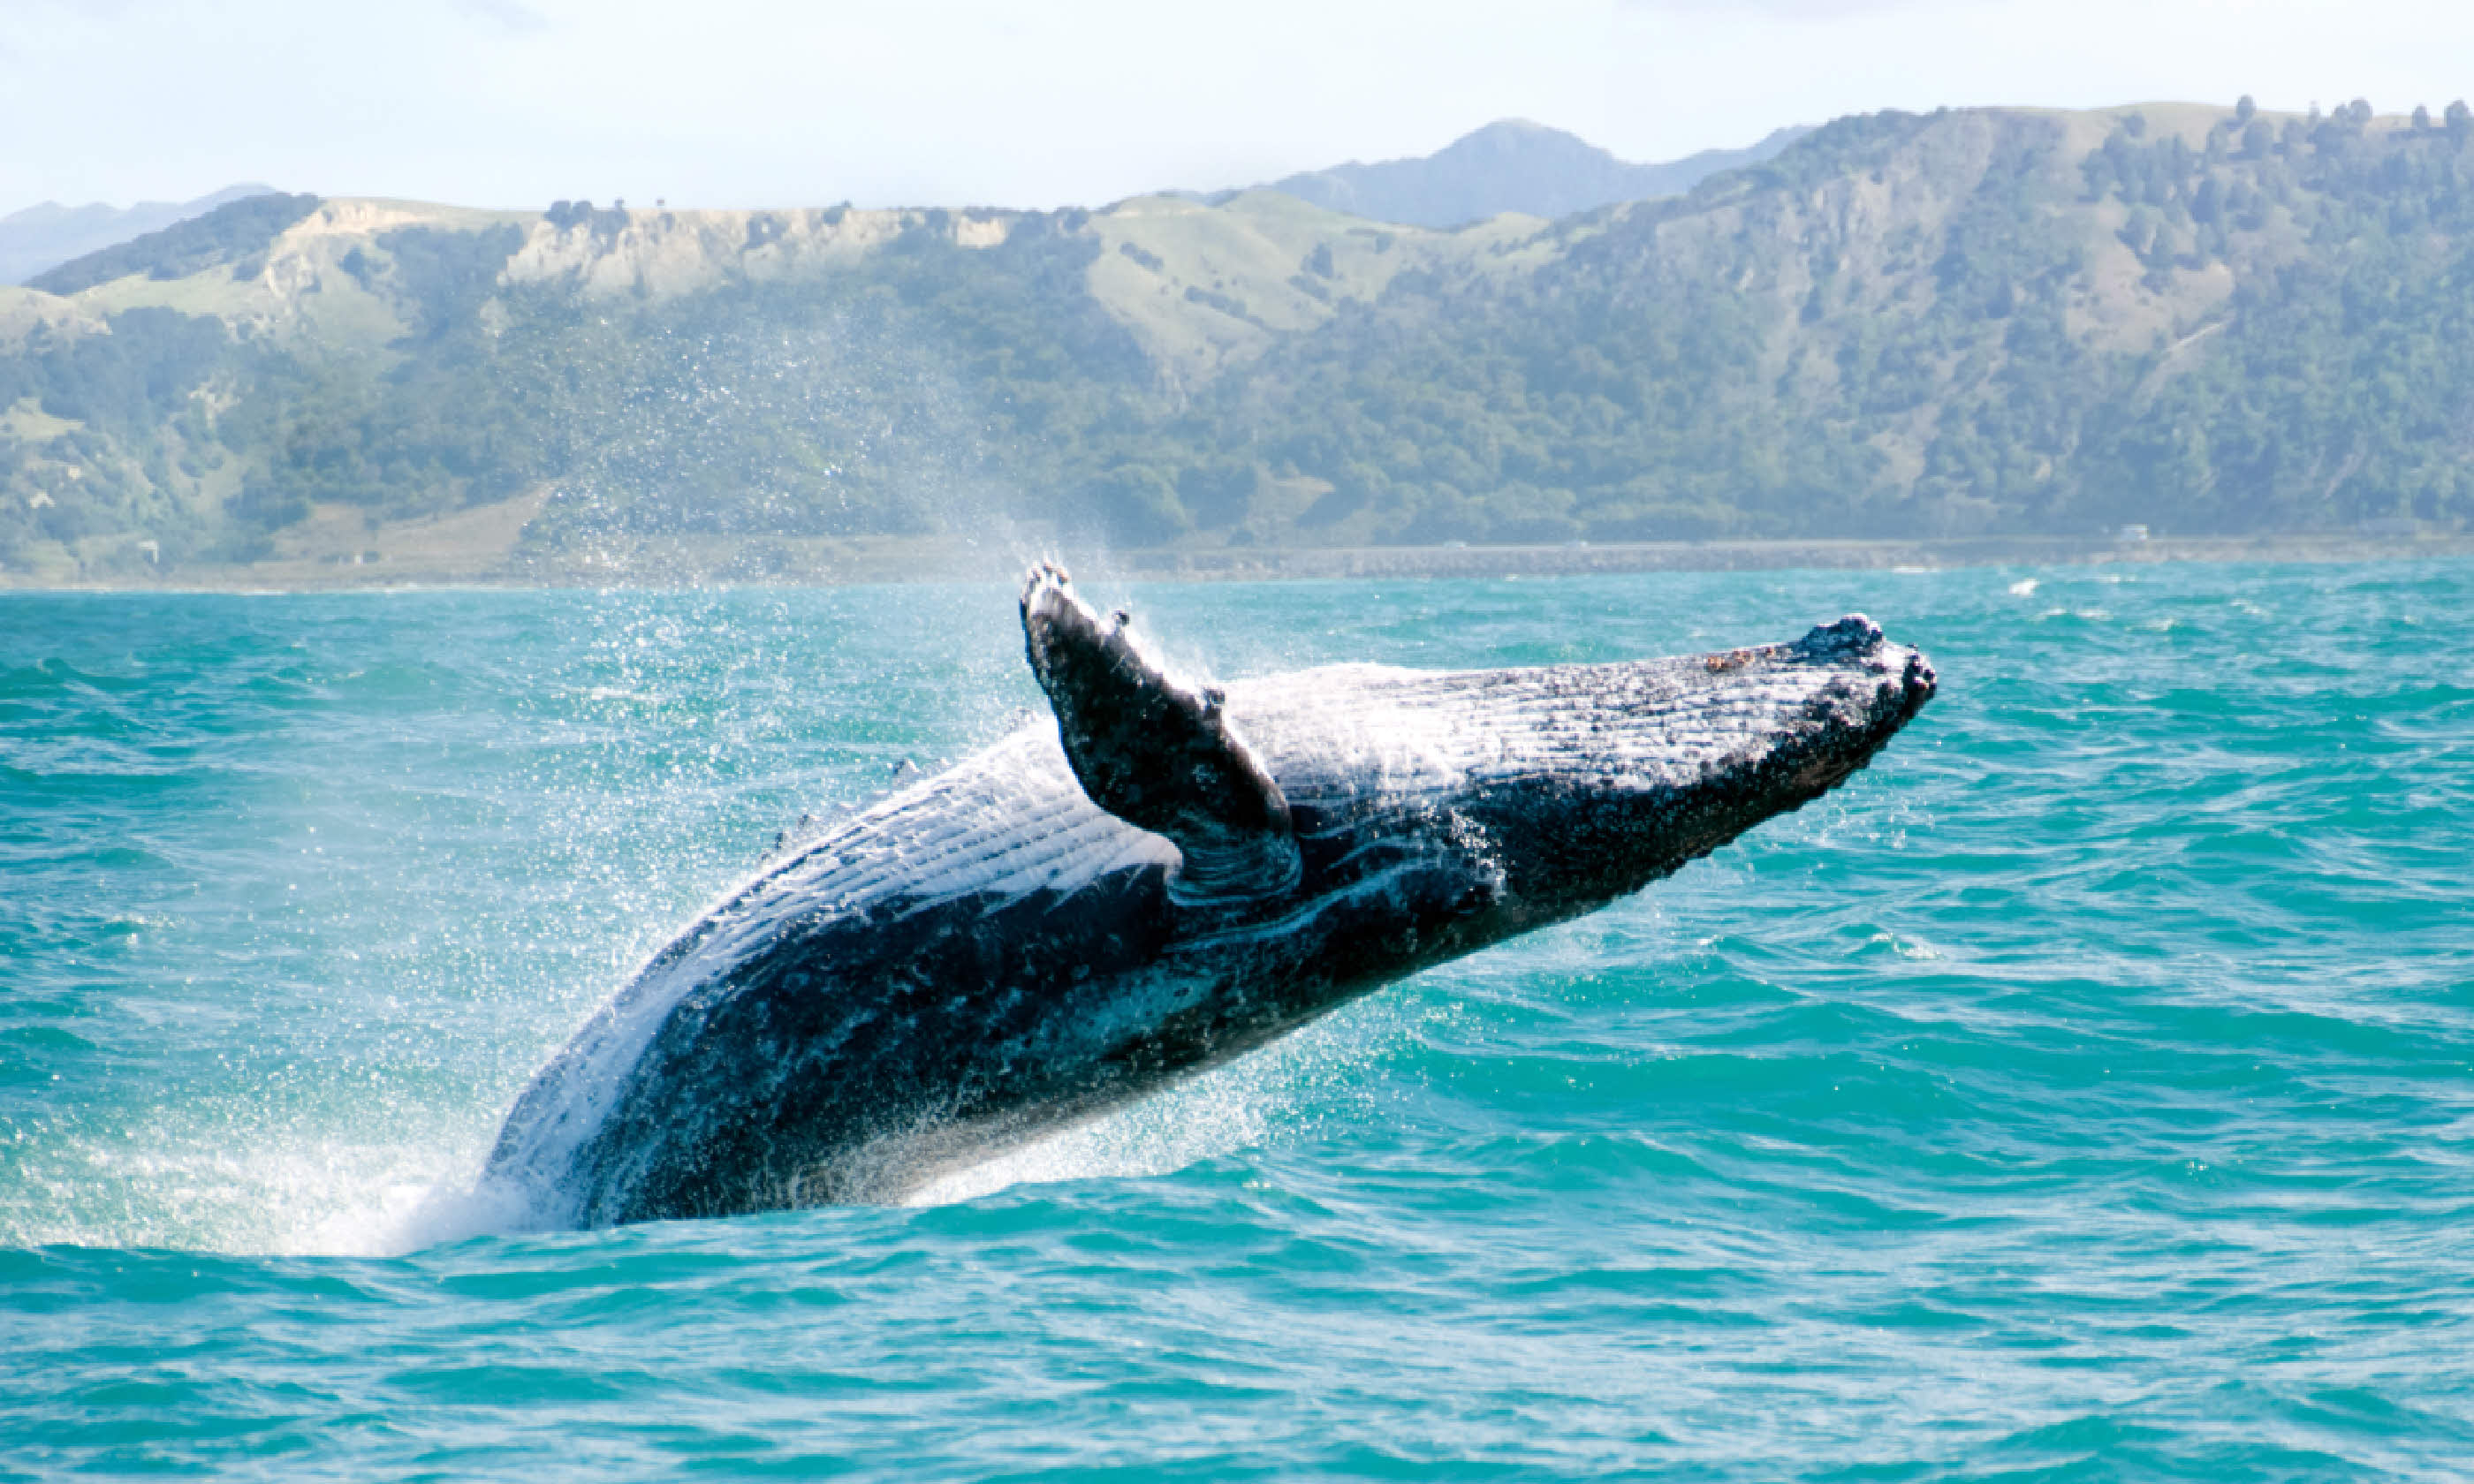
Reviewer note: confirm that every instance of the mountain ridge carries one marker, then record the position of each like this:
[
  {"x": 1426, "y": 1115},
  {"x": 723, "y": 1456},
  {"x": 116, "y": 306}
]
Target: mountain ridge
[{"x": 1513, "y": 165}]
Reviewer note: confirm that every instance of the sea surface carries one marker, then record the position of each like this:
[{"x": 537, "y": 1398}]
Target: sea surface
[{"x": 2086, "y": 1091}]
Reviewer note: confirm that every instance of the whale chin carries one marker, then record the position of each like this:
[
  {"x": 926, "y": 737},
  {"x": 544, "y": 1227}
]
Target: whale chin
[{"x": 1163, "y": 876}]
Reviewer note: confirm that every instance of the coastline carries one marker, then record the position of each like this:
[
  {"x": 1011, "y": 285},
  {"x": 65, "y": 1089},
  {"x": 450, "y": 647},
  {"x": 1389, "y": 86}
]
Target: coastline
[{"x": 831, "y": 562}]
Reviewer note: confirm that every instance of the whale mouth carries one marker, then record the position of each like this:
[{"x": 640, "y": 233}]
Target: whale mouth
[
  {"x": 1904, "y": 679},
  {"x": 1860, "y": 713},
  {"x": 1919, "y": 681}
]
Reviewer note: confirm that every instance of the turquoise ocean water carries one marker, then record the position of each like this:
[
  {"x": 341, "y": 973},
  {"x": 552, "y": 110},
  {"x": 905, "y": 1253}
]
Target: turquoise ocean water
[{"x": 2085, "y": 1093}]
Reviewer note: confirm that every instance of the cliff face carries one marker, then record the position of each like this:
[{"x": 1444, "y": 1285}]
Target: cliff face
[{"x": 1983, "y": 321}]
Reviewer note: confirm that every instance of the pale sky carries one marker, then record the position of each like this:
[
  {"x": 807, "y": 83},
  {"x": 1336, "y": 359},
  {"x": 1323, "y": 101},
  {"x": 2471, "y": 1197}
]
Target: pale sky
[{"x": 768, "y": 103}]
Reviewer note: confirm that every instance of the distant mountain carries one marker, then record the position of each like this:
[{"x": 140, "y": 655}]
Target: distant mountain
[
  {"x": 227, "y": 234},
  {"x": 45, "y": 236},
  {"x": 1510, "y": 165}
]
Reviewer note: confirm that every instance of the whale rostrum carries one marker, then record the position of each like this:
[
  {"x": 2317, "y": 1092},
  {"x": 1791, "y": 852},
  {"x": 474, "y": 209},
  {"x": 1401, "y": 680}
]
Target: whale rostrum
[{"x": 1162, "y": 878}]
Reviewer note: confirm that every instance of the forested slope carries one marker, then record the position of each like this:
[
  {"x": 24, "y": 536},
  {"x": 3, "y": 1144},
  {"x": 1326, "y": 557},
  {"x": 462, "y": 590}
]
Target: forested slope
[{"x": 1972, "y": 322}]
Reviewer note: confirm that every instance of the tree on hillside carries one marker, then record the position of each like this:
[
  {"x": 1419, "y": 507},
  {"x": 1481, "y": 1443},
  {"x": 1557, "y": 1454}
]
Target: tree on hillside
[
  {"x": 2244, "y": 109},
  {"x": 1138, "y": 505}
]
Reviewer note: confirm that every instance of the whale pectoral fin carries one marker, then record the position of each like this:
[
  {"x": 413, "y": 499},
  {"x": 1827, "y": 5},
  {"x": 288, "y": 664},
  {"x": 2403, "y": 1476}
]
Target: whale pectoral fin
[{"x": 1154, "y": 752}]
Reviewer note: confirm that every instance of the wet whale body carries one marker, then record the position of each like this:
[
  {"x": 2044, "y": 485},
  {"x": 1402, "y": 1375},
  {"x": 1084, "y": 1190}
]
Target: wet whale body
[{"x": 1161, "y": 878}]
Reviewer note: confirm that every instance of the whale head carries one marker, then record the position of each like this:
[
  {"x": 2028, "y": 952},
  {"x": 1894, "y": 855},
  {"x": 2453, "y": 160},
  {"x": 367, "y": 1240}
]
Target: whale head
[
  {"x": 1563, "y": 787},
  {"x": 1519, "y": 795}
]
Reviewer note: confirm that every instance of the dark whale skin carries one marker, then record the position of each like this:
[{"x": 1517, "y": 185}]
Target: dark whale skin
[{"x": 988, "y": 954}]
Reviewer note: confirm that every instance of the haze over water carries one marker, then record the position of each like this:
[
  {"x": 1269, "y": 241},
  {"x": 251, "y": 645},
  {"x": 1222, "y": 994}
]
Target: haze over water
[{"x": 2081, "y": 1092}]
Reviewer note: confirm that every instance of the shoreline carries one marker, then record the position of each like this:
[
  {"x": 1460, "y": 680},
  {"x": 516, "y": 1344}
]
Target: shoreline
[{"x": 829, "y": 562}]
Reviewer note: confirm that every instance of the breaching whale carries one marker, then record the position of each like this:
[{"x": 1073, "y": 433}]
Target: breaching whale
[{"x": 1160, "y": 879}]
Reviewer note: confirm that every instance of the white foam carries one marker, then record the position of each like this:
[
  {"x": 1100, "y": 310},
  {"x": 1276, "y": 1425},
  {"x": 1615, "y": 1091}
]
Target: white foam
[
  {"x": 1251, "y": 1102},
  {"x": 1149, "y": 1140},
  {"x": 285, "y": 1197}
]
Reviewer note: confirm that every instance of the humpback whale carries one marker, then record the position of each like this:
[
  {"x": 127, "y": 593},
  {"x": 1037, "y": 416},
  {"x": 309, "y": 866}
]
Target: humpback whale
[{"x": 1161, "y": 877}]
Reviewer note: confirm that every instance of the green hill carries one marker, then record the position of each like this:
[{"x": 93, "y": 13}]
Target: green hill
[{"x": 1978, "y": 322}]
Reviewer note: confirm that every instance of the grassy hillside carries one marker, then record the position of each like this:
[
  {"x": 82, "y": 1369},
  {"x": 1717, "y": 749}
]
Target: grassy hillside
[{"x": 1969, "y": 323}]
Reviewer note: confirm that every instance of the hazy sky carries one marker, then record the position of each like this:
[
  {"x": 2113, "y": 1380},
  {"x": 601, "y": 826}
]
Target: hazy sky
[{"x": 513, "y": 103}]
